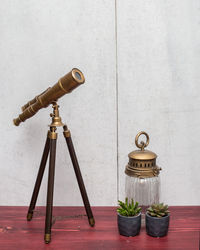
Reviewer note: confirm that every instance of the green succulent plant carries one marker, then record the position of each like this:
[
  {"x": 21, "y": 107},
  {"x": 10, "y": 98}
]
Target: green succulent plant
[
  {"x": 128, "y": 208},
  {"x": 158, "y": 210}
]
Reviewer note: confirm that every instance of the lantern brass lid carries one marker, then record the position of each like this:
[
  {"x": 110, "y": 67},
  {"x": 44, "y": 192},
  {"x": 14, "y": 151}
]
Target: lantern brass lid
[
  {"x": 142, "y": 154},
  {"x": 142, "y": 163}
]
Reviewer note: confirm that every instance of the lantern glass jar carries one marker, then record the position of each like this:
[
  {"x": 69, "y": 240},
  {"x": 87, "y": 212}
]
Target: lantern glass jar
[{"x": 142, "y": 174}]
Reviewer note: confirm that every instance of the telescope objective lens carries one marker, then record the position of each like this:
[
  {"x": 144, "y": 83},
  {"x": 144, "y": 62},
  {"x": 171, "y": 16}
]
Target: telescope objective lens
[{"x": 78, "y": 76}]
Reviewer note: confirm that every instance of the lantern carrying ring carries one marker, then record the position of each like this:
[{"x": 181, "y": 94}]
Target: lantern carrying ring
[{"x": 142, "y": 144}]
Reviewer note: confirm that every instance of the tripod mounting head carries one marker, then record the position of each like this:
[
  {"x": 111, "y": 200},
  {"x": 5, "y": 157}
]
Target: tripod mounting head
[{"x": 56, "y": 119}]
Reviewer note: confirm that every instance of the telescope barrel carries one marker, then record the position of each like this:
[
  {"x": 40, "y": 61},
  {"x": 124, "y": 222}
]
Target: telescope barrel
[
  {"x": 65, "y": 85},
  {"x": 33, "y": 100}
]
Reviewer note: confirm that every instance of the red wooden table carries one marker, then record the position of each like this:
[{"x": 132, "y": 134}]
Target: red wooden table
[{"x": 71, "y": 230}]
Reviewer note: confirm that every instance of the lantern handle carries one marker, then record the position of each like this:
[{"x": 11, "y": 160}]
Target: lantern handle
[{"x": 142, "y": 144}]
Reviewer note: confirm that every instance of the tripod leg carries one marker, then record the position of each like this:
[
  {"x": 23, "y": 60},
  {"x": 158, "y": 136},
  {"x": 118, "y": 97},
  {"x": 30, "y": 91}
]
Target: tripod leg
[
  {"x": 49, "y": 204},
  {"x": 78, "y": 175},
  {"x": 38, "y": 180}
]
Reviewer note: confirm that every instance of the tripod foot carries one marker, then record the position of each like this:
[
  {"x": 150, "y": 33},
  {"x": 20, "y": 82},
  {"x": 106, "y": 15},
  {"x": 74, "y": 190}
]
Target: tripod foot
[
  {"x": 47, "y": 238},
  {"x": 91, "y": 222},
  {"x": 29, "y": 216}
]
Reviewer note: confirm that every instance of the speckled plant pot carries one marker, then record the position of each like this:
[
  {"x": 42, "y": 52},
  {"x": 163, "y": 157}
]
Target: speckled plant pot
[
  {"x": 157, "y": 227},
  {"x": 129, "y": 226}
]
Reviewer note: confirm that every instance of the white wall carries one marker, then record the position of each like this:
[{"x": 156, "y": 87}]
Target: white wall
[{"x": 145, "y": 76}]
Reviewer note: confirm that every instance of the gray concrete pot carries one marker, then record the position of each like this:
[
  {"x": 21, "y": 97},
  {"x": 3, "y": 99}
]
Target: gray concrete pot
[
  {"x": 157, "y": 227},
  {"x": 129, "y": 226}
]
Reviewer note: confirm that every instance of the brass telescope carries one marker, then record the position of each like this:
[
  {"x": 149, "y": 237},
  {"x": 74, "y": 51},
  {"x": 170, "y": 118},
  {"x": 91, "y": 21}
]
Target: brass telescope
[
  {"x": 65, "y": 85},
  {"x": 50, "y": 96}
]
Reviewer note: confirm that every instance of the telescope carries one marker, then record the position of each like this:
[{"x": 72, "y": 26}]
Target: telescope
[{"x": 65, "y": 85}]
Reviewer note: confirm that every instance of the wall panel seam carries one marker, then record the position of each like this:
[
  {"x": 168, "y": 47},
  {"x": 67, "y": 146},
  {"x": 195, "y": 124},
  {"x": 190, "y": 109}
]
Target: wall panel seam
[{"x": 117, "y": 117}]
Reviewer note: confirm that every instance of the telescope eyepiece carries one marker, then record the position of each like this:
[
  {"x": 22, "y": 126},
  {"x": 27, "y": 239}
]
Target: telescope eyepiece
[{"x": 16, "y": 121}]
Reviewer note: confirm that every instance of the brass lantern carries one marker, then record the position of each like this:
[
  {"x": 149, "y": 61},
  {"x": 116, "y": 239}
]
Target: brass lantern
[{"x": 142, "y": 174}]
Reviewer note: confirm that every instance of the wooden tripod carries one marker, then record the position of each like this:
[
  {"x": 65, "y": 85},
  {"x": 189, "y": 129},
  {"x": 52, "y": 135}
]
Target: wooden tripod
[{"x": 50, "y": 147}]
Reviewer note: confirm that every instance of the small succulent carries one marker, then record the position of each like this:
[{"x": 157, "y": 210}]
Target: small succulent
[
  {"x": 128, "y": 209},
  {"x": 158, "y": 210}
]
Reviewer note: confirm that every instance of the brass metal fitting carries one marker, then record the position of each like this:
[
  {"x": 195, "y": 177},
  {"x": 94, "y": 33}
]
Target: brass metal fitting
[
  {"x": 56, "y": 119},
  {"x": 47, "y": 238},
  {"x": 52, "y": 135},
  {"x": 91, "y": 222},
  {"x": 66, "y": 132},
  {"x": 29, "y": 216}
]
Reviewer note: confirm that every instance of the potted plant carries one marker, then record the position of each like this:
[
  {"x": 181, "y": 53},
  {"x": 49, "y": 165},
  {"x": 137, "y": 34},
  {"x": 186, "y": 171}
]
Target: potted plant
[
  {"x": 129, "y": 218},
  {"x": 157, "y": 220}
]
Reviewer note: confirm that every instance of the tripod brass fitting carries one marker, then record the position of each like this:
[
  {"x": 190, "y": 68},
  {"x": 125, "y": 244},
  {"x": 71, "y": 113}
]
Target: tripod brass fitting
[
  {"x": 91, "y": 222},
  {"x": 56, "y": 119},
  {"x": 66, "y": 132},
  {"x": 47, "y": 238},
  {"x": 52, "y": 133},
  {"x": 29, "y": 216},
  {"x": 65, "y": 85}
]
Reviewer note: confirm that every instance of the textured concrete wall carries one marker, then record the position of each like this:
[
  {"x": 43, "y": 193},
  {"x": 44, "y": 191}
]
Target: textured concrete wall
[{"x": 141, "y": 63}]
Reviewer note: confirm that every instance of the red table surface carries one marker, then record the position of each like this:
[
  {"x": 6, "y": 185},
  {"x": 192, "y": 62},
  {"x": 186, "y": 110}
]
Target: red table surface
[{"x": 71, "y": 230}]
